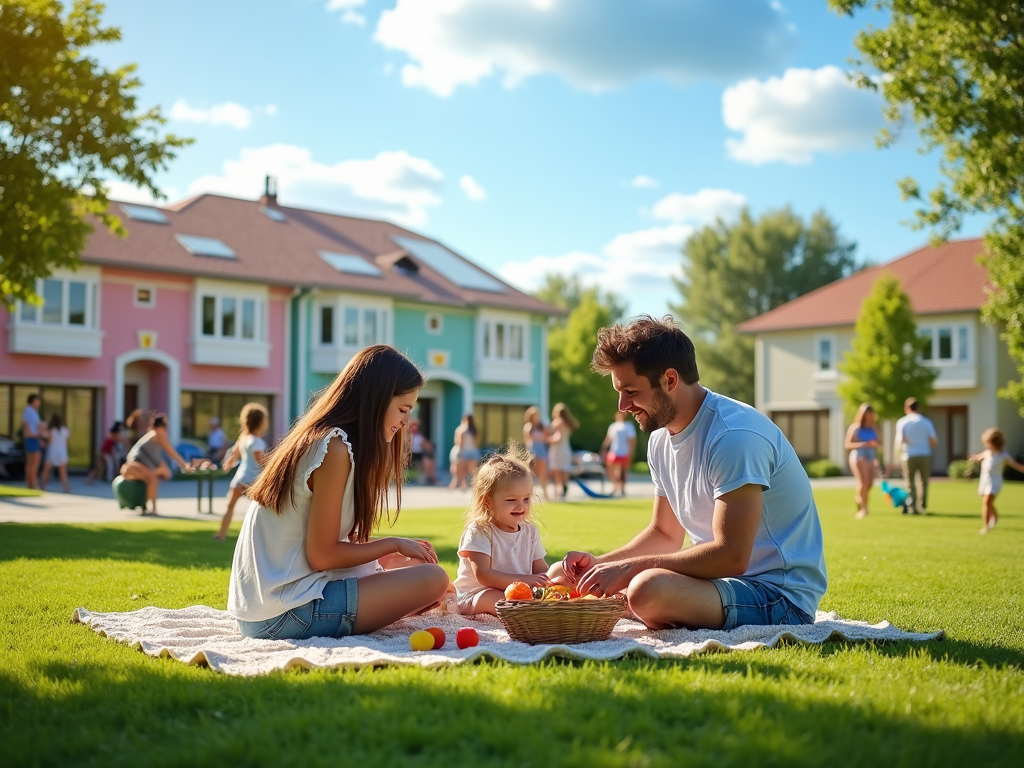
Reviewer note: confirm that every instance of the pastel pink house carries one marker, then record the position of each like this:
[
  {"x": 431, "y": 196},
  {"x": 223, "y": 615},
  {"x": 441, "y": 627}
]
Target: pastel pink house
[{"x": 162, "y": 321}]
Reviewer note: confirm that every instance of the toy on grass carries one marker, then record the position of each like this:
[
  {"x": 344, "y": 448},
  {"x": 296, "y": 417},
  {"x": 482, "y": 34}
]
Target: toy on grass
[
  {"x": 896, "y": 495},
  {"x": 421, "y": 640},
  {"x": 438, "y": 634},
  {"x": 467, "y": 637}
]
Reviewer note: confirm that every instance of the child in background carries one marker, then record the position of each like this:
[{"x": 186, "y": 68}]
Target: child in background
[
  {"x": 501, "y": 543},
  {"x": 108, "y": 463},
  {"x": 247, "y": 452},
  {"x": 992, "y": 459},
  {"x": 56, "y": 452}
]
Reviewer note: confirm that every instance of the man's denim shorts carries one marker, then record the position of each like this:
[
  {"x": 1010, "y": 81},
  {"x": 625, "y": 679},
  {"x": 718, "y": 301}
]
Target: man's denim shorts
[
  {"x": 333, "y": 615},
  {"x": 747, "y": 601},
  {"x": 32, "y": 445}
]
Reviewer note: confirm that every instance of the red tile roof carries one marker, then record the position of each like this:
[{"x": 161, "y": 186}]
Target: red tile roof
[
  {"x": 287, "y": 253},
  {"x": 944, "y": 278}
]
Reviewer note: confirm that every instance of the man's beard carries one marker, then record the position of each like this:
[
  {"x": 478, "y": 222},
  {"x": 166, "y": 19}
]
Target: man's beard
[{"x": 664, "y": 413}]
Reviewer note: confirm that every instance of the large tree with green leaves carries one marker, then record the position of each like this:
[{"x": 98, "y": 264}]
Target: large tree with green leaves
[
  {"x": 570, "y": 346},
  {"x": 957, "y": 68},
  {"x": 734, "y": 271},
  {"x": 882, "y": 367},
  {"x": 67, "y": 124}
]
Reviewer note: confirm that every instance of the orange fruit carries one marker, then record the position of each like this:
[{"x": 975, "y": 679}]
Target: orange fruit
[
  {"x": 438, "y": 634},
  {"x": 518, "y": 590}
]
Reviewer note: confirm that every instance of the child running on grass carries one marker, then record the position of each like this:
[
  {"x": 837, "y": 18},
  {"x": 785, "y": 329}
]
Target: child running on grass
[
  {"x": 305, "y": 565},
  {"x": 501, "y": 543},
  {"x": 247, "y": 452},
  {"x": 992, "y": 459}
]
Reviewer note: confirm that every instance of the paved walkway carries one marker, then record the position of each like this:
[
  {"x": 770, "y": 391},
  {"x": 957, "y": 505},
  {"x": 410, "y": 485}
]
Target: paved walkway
[{"x": 95, "y": 504}]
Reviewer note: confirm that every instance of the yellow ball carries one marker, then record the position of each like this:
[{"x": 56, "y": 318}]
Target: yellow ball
[{"x": 421, "y": 640}]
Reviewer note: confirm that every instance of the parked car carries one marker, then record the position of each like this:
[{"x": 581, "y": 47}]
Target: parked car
[
  {"x": 587, "y": 464},
  {"x": 12, "y": 460}
]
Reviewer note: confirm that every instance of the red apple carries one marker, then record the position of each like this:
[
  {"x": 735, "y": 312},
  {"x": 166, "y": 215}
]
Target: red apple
[
  {"x": 467, "y": 637},
  {"x": 439, "y": 637}
]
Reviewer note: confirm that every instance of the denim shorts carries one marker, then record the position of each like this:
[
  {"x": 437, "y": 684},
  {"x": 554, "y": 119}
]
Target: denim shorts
[
  {"x": 32, "y": 445},
  {"x": 333, "y": 615},
  {"x": 747, "y": 601}
]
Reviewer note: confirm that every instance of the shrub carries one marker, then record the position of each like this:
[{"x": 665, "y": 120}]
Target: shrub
[
  {"x": 962, "y": 468},
  {"x": 640, "y": 468},
  {"x": 822, "y": 468}
]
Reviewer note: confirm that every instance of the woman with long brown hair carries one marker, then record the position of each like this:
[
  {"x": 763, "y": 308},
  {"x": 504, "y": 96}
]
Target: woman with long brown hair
[
  {"x": 560, "y": 449},
  {"x": 305, "y": 565}
]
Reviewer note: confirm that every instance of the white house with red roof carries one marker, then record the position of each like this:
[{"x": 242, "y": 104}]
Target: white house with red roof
[
  {"x": 799, "y": 345},
  {"x": 214, "y": 302}
]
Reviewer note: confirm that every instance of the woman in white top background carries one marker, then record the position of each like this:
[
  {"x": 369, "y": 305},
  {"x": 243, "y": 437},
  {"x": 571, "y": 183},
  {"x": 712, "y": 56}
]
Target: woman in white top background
[
  {"x": 305, "y": 565},
  {"x": 559, "y": 448},
  {"x": 465, "y": 453}
]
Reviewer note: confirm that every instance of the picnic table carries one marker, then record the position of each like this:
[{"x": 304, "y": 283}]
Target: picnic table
[{"x": 204, "y": 476}]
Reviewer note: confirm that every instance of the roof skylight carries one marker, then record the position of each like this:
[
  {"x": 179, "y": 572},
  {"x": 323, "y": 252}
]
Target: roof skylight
[
  {"x": 143, "y": 213},
  {"x": 273, "y": 214},
  {"x": 205, "y": 246},
  {"x": 450, "y": 266},
  {"x": 350, "y": 264}
]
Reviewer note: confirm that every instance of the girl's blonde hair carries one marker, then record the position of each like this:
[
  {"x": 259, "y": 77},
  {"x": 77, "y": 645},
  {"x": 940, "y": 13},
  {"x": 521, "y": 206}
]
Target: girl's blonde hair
[
  {"x": 511, "y": 462},
  {"x": 252, "y": 418},
  {"x": 994, "y": 437}
]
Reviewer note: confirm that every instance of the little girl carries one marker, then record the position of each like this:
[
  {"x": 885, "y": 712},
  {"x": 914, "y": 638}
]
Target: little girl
[
  {"x": 501, "y": 544},
  {"x": 247, "y": 452},
  {"x": 992, "y": 460},
  {"x": 305, "y": 565},
  {"x": 56, "y": 452}
]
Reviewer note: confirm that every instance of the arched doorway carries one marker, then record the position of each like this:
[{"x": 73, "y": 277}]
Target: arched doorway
[
  {"x": 445, "y": 398},
  {"x": 151, "y": 380}
]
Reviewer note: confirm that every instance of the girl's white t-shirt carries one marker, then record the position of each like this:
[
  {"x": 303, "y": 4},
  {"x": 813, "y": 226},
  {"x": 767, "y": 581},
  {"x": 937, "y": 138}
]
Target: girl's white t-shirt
[
  {"x": 57, "y": 450},
  {"x": 509, "y": 552},
  {"x": 248, "y": 468},
  {"x": 992, "y": 472},
  {"x": 270, "y": 573}
]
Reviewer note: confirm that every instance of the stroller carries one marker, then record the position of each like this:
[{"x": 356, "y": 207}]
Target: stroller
[{"x": 897, "y": 496}]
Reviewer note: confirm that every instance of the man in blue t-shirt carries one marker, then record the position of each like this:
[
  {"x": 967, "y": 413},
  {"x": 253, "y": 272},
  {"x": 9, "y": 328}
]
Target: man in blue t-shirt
[{"x": 725, "y": 474}]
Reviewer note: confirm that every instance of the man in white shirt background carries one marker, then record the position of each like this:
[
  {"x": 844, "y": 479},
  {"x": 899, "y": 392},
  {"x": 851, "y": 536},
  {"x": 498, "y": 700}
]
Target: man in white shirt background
[
  {"x": 915, "y": 439},
  {"x": 619, "y": 444}
]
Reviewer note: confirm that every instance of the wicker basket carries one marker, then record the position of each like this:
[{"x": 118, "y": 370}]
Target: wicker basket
[{"x": 560, "y": 621}]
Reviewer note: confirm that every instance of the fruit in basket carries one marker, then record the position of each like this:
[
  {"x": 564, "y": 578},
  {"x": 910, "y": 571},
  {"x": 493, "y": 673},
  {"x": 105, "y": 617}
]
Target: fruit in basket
[
  {"x": 421, "y": 640},
  {"x": 518, "y": 590},
  {"x": 438, "y": 634},
  {"x": 467, "y": 637},
  {"x": 538, "y": 593},
  {"x": 556, "y": 592}
]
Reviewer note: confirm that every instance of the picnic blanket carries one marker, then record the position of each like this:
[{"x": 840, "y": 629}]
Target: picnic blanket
[{"x": 206, "y": 636}]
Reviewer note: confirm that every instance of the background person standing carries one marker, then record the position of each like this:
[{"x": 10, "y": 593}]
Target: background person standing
[
  {"x": 619, "y": 442},
  {"x": 31, "y": 435},
  {"x": 915, "y": 438}
]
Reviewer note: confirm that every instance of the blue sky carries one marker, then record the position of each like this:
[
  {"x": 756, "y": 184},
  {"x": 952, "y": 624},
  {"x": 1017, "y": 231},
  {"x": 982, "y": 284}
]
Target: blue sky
[{"x": 588, "y": 136}]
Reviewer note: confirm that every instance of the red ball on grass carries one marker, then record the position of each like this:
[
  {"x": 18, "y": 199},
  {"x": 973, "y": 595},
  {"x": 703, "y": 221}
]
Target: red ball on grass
[{"x": 439, "y": 637}]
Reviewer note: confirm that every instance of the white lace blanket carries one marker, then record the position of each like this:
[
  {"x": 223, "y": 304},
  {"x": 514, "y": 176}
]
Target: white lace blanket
[{"x": 203, "y": 635}]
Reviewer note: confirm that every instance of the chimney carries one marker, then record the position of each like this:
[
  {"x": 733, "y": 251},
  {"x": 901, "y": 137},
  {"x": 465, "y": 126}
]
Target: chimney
[{"x": 269, "y": 191}]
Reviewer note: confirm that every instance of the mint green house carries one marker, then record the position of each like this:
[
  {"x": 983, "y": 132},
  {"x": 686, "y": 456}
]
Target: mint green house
[{"x": 481, "y": 344}]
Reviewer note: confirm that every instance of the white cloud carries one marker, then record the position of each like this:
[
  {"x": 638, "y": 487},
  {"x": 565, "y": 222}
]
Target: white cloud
[
  {"x": 348, "y": 13},
  {"x": 592, "y": 44},
  {"x": 790, "y": 118},
  {"x": 124, "y": 192},
  {"x": 393, "y": 185},
  {"x": 472, "y": 189},
  {"x": 644, "y": 182},
  {"x": 270, "y": 110},
  {"x": 703, "y": 207},
  {"x": 229, "y": 113}
]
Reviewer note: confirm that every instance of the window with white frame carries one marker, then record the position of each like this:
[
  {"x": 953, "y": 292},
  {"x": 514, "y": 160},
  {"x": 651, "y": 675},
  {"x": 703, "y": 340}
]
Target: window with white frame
[
  {"x": 351, "y": 325},
  {"x": 68, "y": 302},
  {"x": 826, "y": 354},
  {"x": 231, "y": 317},
  {"x": 503, "y": 340},
  {"x": 144, "y": 296},
  {"x": 945, "y": 343},
  {"x": 434, "y": 323}
]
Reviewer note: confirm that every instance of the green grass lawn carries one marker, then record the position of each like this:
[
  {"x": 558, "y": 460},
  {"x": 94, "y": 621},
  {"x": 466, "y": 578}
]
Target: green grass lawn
[
  {"x": 68, "y": 696},
  {"x": 12, "y": 491}
]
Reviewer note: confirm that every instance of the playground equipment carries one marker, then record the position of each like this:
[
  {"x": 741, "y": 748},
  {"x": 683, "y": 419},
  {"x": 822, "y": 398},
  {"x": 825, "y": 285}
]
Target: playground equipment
[
  {"x": 590, "y": 491},
  {"x": 896, "y": 495},
  {"x": 130, "y": 494}
]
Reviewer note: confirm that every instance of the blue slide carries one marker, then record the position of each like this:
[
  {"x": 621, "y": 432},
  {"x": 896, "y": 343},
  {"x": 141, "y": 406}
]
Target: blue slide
[{"x": 590, "y": 491}]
